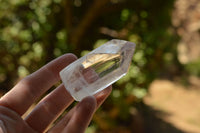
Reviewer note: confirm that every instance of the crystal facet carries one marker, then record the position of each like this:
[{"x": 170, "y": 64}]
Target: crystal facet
[{"x": 98, "y": 69}]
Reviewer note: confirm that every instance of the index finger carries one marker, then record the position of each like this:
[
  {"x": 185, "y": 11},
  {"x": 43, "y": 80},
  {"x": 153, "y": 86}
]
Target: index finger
[{"x": 33, "y": 86}]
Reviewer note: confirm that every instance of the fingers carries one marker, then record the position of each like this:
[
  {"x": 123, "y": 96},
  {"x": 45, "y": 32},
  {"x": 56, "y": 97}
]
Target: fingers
[
  {"x": 33, "y": 86},
  {"x": 102, "y": 95},
  {"x": 11, "y": 122},
  {"x": 53, "y": 105},
  {"x": 80, "y": 119},
  {"x": 49, "y": 109},
  {"x": 74, "y": 115},
  {"x": 81, "y": 116}
]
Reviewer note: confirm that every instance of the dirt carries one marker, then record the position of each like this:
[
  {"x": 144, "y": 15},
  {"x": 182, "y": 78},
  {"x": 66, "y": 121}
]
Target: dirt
[{"x": 174, "y": 106}]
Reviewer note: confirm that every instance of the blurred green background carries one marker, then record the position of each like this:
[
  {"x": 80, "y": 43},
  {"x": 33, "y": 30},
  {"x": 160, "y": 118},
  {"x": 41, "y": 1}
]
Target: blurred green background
[{"x": 34, "y": 32}]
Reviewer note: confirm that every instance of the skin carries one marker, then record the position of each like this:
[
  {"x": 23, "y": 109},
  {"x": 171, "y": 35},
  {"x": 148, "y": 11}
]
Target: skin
[{"x": 17, "y": 101}]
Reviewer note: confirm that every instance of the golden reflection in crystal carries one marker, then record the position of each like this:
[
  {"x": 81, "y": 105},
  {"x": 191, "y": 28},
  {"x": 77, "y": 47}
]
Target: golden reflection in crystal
[
  {"x": 102, "y": 63},
  {"x": 97, "y": 58}
]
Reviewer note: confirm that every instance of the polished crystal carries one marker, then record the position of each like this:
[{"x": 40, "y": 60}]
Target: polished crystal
[{"x": 98, "y": 69}]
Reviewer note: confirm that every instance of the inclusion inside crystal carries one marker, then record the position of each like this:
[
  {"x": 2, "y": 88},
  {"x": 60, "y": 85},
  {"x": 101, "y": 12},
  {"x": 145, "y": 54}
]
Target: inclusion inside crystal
[
  {"x": 102, "y": 63},
  {"x": 98, "y": 69}
]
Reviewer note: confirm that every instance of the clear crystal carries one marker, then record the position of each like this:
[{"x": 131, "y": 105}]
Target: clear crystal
[{"x": 98, "y": 69}]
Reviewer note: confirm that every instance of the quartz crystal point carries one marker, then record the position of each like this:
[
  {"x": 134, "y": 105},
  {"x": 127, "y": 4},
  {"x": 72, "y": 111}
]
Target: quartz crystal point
[{"x": 98, "y": 69}]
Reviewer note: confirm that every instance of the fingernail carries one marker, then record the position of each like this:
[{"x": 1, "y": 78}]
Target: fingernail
[
  {"x": 2, "y": 127},
  {"x": 87, "y": 101},
  {"x": 91, "y": 100}
]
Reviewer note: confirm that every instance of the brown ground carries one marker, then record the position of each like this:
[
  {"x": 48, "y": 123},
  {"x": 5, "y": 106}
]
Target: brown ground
[{"x": 173, "y": 108}]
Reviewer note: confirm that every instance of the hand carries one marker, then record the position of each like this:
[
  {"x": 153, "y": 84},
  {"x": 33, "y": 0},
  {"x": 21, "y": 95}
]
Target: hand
[{"x": 17, "y": 101}]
